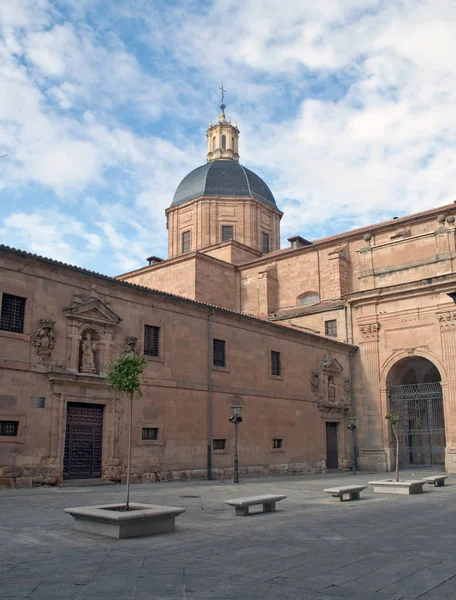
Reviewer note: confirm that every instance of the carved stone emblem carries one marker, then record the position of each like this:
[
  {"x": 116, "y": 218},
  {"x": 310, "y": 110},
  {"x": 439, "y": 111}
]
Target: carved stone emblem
[
  {"x": 370, "y": 330},
  {"x": 43, "y": 339},
  {"x": 314, "y": 382},
  {"x": 402, "y": 233},
  {"x": 347, "y": 390},
  {"x": 447, "y": 320},
  {"x": 130, "y": 345}
]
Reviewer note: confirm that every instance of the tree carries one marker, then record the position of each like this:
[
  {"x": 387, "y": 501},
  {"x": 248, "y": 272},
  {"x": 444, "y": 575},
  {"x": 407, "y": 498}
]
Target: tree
[
  {"x": 394, "y": 417},
  {"x": 124, "y": 375}
]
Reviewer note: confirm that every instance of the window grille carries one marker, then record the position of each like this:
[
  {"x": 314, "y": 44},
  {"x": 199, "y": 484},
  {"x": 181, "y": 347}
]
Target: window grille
[
  {"x": 151, "y": 340},
  {"x": 185, "y": 242},
  {"x": 13, "y": 310},
  {"x": 331, "y": 328},
  {"x": 219, "y": 359},
  {"x": 227, "y": 232},
  {"x": 9, "y": 427},
  {"x": 275, "y": 363},
  {"x": 150, "y": 433},
  {"x": 265, "y": 242},
  {"x": 219, "y": 444},
  {"x": 277, "y": 443}
]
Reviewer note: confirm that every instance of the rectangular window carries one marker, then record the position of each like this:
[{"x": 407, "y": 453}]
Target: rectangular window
[
  {"x": 150, "y": 433},
  {"x": 13, "y": 311},
  {"x": 151, "y": 340},
  {"x": 9, "y": 427},
  {"x": 277, "y": 443},
  {"x": 219, "y": 444},
  {"x": 227, "y": 232},
  {"x": 218, "y": 358},
  {"x": 185, "y": 242},
  {"x": 265, "y": 242},
  {"x": 37, "y": 402},
  {"x": 276, "y": 368},
  {"x": 331, "y": 328}
]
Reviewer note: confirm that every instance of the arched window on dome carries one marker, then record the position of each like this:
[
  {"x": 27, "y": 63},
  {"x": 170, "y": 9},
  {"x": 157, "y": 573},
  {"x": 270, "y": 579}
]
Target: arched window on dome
[
  {"x": 232, "y": 144},
  {"x": 213, "y": 144},
  {"x": 308, "y": 298},
  {"x": 223, "y": 142}
]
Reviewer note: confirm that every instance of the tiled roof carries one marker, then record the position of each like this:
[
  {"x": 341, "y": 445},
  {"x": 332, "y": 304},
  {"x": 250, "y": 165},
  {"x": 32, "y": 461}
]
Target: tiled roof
[{"x": 50, "y": 261}]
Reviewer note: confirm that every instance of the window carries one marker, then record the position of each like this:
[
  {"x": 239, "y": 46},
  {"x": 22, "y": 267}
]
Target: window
[
  {"x": 150, "y": 433},
  {"x": 277, "y": 443},
  {"x": 219, "y": 444},
  {"x": 9, "y": 427},
  {"x": 151, "y": 340},
  {"x": 218, "y": 357},
  {"x": 275, "y": 364},
  {"x": 265, "y": 242},
  {"x": 331, "y": 328},
  {"x": 227, "y": 232},
  {"x": 223, "y": 142},
  {"x": 309, "y": 298},
  {"x": 232, "y": 143},
  {"x": 185, "y": 242},
  {"x": 213, "y": 144},
  {"x": 13, "y": 310}
]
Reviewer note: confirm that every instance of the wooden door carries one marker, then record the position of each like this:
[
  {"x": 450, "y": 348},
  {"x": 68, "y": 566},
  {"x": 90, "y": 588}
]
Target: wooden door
[
  {"x": 332, "y": 458},
  {"x": 83, "y": 441}
]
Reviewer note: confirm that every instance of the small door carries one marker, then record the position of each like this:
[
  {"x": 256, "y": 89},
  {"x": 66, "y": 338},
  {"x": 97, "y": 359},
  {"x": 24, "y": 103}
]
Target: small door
[
  {"x": 332, "y": 458},
  {"x": 83, "y": 441}
]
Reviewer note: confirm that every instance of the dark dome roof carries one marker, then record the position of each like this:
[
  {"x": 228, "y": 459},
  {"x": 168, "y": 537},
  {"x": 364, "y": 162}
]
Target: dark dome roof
[{"x": 222, "y": 178}]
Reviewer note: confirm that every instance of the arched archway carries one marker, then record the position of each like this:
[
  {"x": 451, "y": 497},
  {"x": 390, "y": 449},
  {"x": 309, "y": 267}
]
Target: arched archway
[{"x": 415, "y": 392}]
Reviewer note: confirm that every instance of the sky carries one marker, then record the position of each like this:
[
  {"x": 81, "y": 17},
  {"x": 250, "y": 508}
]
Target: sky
[{"x": 347, "y": 109}]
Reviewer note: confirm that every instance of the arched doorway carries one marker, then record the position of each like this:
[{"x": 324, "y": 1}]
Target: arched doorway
[{"x": 415, "y": 392}]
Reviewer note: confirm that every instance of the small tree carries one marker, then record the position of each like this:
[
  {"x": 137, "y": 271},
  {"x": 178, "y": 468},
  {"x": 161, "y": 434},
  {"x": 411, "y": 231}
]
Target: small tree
[
  {"x": 394, "y": 417},
  {"x": 124, "y": 375}
]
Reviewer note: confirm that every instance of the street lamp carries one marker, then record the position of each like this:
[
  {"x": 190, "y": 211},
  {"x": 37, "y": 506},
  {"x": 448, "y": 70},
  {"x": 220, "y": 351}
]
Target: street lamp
[
  {"x": 352, "y": 427},
  {"x": 235, "y": 418}
]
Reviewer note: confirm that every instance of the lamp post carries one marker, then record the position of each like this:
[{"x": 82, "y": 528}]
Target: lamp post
[
  {"x": 352, "y": 427},
  {"x": 236, "y": 419}
]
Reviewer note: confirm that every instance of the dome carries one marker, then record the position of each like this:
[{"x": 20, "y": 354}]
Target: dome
[{"x": 222, "y": 178}]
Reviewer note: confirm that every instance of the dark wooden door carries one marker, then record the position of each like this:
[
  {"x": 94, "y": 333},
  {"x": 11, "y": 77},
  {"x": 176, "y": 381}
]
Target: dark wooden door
[
  {"x": 332, "y": 459},
  {"x": 83, "y": 441}
]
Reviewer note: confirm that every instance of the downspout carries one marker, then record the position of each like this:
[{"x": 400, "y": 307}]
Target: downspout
[{"x": 209, "y": 395}]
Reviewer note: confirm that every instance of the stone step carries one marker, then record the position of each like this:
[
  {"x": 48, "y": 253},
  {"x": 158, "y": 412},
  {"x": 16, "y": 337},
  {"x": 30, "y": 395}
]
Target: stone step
[{"x": 85, "y": 482}]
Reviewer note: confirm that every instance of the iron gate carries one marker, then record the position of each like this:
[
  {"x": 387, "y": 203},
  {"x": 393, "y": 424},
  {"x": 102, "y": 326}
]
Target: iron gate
[{"x": 421, "y": 430}]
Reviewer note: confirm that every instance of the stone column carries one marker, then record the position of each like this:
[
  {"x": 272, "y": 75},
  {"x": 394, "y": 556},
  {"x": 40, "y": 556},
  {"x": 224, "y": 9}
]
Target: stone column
[
  {"x": 370, "y": 414},
  {"x": 448, "y": 335}
]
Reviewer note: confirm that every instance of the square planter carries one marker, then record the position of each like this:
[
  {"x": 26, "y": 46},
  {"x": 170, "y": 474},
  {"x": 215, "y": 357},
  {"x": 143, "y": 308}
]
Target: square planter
[
  {"x": 388, "y": 486},
  {"x": 111, "y": 521}
]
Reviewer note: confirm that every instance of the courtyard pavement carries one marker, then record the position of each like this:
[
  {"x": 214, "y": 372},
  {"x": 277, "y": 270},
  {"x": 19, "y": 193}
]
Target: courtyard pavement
[{"x": 383, "y": 547}]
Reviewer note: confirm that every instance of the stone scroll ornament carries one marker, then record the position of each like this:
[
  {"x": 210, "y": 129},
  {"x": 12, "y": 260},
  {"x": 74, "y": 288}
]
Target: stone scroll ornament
[
  {"x": 130, "y": 345},
  {"x": 43, "y": 339}
]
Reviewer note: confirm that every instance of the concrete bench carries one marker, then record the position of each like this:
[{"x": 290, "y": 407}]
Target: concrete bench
[
  {"x": 436, "y": 480},
  {"x": 241, "y": 505},
  {"x": 353, "y": 491}
]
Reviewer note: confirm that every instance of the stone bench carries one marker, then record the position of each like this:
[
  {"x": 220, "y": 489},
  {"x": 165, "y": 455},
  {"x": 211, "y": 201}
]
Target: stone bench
[
  {"x": 436, "y": 480},
  {"x": 353, "y": 491},
  {"x": 111, "y": 521},
  {"x": 241, "y": 505},
  {"x": 389, "y": 486}
]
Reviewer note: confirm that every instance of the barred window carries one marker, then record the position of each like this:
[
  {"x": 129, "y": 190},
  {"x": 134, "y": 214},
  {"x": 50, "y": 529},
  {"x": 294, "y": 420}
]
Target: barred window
[
  {"x": 331, "y": 328},
  {"x": 276, "y": 368},
  {"x": 150, "y": 433},
  {"x": 227, "y": 232},
  {"x": 265, "y": 242},
  {"x": 185, "y": 242},
  {"x": 151, "y": 340},
  {"x": 13, "y": 310},
  {"x": 9, "y": 427},
  {"x": 277, "y": 443},
  {"x": 219, "y": 444},
  {"x": 219, "y": 359}
]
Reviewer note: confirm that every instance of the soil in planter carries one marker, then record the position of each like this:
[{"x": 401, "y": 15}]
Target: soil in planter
[{"x": 121, "y": 509}]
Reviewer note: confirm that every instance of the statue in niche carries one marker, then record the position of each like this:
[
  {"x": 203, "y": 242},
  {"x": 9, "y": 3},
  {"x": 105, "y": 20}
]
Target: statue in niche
[
  {"x": 88, "y": 348},
  {"x": 331, "y": 390}
]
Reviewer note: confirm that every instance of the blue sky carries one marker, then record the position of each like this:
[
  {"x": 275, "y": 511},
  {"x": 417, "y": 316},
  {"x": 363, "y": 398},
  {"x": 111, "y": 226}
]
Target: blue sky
[{"x": 346, "y": 108}]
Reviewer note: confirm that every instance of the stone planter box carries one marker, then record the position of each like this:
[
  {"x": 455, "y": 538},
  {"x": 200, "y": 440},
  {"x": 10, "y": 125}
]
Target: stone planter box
[
  {"x": 109, "y": 520},
  {"x": 389, "y": 486}
]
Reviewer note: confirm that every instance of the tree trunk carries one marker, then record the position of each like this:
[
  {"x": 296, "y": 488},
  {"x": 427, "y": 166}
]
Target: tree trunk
[
  {"x": 397, "y": 454},
  {"x": 130, "y": 427}
]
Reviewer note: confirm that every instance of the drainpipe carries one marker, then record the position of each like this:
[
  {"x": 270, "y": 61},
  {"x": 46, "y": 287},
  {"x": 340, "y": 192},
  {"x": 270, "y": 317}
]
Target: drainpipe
[{"x": 209, "y": 395}]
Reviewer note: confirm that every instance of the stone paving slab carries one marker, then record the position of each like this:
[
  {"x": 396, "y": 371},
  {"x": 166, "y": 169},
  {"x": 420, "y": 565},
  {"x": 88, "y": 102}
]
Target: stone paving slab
[{"x": 380, "y": 548}]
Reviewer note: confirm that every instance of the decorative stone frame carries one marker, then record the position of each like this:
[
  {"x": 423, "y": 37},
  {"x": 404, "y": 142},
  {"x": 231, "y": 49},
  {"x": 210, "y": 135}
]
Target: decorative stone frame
[
  {"x": 330, "y": 371},
  {"x": 152, "y": 424}
]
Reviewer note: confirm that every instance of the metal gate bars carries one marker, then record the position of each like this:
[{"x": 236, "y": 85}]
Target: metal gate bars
[{"x": 421, "y": 430}]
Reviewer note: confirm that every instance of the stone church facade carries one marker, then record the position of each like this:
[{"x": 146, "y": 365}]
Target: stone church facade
[{"x": 310, "y": 340}]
